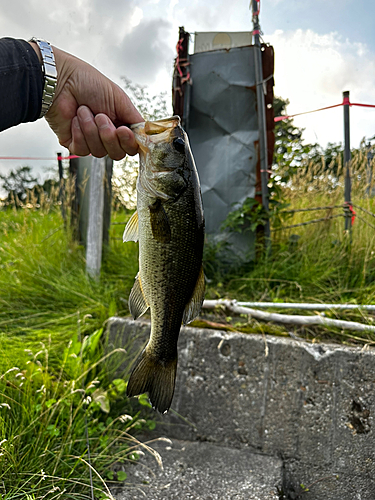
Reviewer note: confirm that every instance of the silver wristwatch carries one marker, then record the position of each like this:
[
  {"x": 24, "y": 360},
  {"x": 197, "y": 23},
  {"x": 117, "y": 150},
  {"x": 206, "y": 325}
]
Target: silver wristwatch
[{"x": 49, "y": 73}]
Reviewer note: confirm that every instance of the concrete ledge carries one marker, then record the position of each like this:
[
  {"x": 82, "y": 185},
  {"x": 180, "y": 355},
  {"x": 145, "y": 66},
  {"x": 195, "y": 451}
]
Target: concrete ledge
[
  {"x": 312, "y": 405},
  {"x": 203, "y": 471}
]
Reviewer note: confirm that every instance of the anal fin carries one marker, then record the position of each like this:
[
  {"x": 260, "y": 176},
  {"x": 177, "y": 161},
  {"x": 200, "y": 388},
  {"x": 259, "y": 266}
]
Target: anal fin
[
  {"x": 137, "y": 301},
  {"x": 194, "y": 305}
]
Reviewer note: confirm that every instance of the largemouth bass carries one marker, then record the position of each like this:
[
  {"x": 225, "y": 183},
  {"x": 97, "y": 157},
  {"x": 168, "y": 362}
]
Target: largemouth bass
[{"x": 169, "y": 225}]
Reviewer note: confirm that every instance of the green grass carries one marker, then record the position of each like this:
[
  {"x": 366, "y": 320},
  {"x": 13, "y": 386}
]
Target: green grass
[
  {"x": 54, "y": 381},
  {"x": 48, "y": 416},
  {"x": 44, "y": 289},
  {"x": 52, "y": 375},
  {"x": 317, "y": 263}
]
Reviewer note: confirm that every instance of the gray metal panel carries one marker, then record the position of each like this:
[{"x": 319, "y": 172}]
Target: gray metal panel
[{"x": 223, "y": 131}]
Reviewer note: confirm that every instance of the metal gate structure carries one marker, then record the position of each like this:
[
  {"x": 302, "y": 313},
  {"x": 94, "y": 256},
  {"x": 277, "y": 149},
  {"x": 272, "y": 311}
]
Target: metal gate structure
[{"x": 214, "y": 92}]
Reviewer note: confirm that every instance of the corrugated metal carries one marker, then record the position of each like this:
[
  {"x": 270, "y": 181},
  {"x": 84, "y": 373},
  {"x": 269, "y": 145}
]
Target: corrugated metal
[{"x": 221, "y": 120}]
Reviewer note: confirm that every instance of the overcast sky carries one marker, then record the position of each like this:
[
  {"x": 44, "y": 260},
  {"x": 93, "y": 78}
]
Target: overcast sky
[{"x": 322, "y": 48}]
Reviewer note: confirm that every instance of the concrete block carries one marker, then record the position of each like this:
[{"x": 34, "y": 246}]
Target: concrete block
[
  {"x": 312, "y": 405},
  {"x": 202, "y": 471}
]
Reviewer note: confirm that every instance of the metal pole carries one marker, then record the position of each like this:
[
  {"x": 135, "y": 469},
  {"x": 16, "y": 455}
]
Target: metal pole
[
  {"x": 348, "y": 187},
  {"x": 261, "y": 120},
  {"x": 370, "y": 156},
  {"x": 61, "y": 197}
]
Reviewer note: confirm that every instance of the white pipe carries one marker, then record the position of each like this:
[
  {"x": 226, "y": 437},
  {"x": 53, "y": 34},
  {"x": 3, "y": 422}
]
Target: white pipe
[
  {"x": 288, "y": 319},
  {"x": 311, "y": 307}
]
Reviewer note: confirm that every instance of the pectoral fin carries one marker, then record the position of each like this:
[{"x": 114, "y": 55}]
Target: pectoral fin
[
  {"x": 137, "y": 301},
  {"x": 193, "y": 307},
  {"x": 160, "y": 227},
  {"x": 131, "y": 229}
]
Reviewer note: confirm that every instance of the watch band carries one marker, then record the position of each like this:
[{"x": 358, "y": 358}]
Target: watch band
[{"x": 49, "y": 73}]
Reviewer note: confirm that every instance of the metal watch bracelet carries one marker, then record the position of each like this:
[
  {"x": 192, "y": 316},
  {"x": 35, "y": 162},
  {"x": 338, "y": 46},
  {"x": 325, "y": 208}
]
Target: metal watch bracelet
[{"x": 49, "y": 73}]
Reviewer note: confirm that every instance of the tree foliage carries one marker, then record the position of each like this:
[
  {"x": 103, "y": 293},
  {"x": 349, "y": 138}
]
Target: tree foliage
[
  {"x": 18, "y": 181},
  {"x": 151, "y": 107},
  {"x": 22, "y": 188}
]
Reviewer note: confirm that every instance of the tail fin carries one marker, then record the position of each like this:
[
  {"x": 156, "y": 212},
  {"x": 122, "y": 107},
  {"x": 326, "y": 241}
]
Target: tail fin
[{"x": 156, "y": 377}]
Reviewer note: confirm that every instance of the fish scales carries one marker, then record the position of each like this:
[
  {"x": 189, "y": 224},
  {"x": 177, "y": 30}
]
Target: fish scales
[{"x": 169, "y": 224}]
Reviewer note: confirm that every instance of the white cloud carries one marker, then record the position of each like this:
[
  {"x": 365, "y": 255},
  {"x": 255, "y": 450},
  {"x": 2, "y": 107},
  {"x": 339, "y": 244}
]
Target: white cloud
[
  {"x": 313, "y": 70},
  {"x": 137, "y": 38},
  {"x": 143, "y": 53},
  {"x": 219, "y": 15},
  {"x": 136, "y": 17}
]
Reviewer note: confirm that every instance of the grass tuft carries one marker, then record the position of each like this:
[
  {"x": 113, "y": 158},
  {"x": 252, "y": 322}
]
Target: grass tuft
[
  {"x": 57, "y": 389},
  {"x": 44, "y": 289},
  {"x": 320, "y": 262}
]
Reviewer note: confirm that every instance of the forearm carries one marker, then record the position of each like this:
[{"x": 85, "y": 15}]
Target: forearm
[
  {"x": 21, "y": 83},
  {"x": 88, "y": 112}
]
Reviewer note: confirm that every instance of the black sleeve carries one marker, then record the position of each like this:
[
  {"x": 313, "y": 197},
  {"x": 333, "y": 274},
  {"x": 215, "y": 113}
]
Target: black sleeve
[{"x": 21, "y": 83}]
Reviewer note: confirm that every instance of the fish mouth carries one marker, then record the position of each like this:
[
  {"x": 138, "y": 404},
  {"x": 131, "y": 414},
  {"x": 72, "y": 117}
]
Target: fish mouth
[
  {"x": 155, "y": 131},
  {"x": 156, "y": 126}
]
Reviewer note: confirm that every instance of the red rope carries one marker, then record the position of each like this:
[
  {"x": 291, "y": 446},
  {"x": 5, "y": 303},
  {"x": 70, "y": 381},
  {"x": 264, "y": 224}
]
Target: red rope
[
  {"x": 178, "y": 66},
  {"x": 38, "y": 157},
  {"x": 363, "y": 105},
  {"x": 179, "y": 49},
  {"x": 352, "y": 211},
  {"x": 258, "y": 11},
  {"x": 345, "y": 102}
]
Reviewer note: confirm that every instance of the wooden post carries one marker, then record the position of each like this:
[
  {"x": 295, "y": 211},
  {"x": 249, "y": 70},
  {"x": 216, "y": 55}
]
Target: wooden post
[
  {"x": 95, "y": 218},
  {"x": 180, "y": 83},
  {"x": 107, "y": 199},
  {"x": 74, "y": 198}
]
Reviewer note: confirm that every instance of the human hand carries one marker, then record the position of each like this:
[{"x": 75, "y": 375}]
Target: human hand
[{"x": 89, "y": 111}]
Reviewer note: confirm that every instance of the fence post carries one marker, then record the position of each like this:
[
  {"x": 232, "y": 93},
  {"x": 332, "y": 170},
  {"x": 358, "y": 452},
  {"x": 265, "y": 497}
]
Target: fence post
[
  {"x": 348, "y": 187},
  {"x": 74, "y": 197},
  {"x": 61, "y": 197},
  {"x": 95, "y": 217},
  {"x": 261, "y": 122},
  {"x": 370, "y": 156},
  {"x": 107, "y": 199}
]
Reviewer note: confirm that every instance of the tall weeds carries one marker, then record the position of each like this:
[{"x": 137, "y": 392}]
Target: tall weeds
[
  {"x": 317, "y": 262},
  {"x": 66, "y": 433},
  {"x": 43, "y": 284},
  {"x": 57, "y": 390}
]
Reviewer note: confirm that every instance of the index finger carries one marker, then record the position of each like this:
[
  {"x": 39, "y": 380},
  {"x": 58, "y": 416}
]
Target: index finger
[{"x": 127, "y": 140}]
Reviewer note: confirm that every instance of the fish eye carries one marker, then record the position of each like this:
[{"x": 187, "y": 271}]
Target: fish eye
[{"x": 179, "y": 144}]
